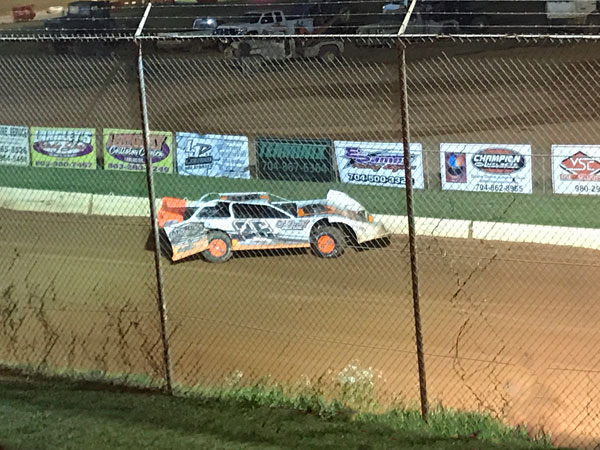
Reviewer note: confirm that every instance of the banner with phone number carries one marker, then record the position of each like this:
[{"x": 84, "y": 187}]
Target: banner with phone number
[
  {"x": 295, "y": 159},
  {"x": 14, "y": 145},
  {"x": 69, "y": 148},
  {"x": 486, "y": 168},
  {"x": 378, "y": 163},
  {"x": 212, "y": 155},
  {"x": 124, "y": 150},
  {"x": 576, "y": 169}
]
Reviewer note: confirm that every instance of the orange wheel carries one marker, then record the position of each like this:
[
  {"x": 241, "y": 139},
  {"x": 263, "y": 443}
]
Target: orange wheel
[
  {"x": 326, "y": 244},
  {"x": 219, "y": 247}
]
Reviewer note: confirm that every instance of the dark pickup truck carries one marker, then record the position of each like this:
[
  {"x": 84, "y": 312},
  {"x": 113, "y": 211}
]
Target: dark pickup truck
[{"x": 83, "y": 17}]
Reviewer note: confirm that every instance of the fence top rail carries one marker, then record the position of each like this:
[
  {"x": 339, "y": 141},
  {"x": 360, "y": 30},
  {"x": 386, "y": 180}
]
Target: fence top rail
[{"x": 170, "y": 36}]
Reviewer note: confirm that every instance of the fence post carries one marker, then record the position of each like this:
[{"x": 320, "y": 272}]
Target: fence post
[
  {"x": 162, "y": 306},
  {"x": 401, "y": 48}
]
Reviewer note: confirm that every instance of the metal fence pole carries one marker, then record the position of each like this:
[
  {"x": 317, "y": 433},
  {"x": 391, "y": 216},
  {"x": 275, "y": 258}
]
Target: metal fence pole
[
  {"x": 401, "y": 47},
  {"x": 162, "y": 306}
]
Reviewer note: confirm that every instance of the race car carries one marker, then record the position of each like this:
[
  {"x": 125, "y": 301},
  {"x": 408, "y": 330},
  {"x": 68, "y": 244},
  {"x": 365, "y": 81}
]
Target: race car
[{"x": 218, "y": 224}]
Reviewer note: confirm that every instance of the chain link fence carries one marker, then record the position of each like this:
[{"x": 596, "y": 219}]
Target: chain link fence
[{"x": 504, "y": 152}]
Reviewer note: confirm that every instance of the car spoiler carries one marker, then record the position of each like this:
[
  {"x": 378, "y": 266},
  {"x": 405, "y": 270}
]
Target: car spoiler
[{"x": 171, "y": 209}]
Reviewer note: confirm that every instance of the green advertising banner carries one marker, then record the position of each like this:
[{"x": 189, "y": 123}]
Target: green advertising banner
[
  {"x": 69, "y": 148},
  {"x": 124, "y": 150},
  {"x": 295, "y": 159}
]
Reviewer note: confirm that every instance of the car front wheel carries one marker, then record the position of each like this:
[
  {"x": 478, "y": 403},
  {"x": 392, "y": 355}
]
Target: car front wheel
[{"x": 328, "y": 242}]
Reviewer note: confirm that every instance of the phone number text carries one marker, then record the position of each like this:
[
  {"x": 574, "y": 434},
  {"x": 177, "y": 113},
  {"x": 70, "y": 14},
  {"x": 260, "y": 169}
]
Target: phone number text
[
  {"x": 364, "y": 178},
  {"x": 496, "y": 187}
]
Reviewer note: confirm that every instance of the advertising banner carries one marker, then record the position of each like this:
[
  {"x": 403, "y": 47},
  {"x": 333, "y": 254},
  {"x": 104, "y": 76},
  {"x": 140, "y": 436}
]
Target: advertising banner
[
  {"x": 295, "y": 159},
  {"x": 212, "y": 155},
  {"x": 124, "y": 150},
  {"x": 378, "y": 163},
  {"x": 576, "y": 169},
  {"x": 486, "y": 168},
  {"x": 69, "y": 148},
  {"x": 14, "y": 145}
]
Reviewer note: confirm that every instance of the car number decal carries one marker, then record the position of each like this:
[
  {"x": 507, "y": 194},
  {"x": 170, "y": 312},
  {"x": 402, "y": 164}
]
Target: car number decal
[{"x": 253, "y": 229}]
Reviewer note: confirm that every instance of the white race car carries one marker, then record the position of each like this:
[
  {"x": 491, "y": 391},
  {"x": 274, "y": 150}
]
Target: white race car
[{"x": 218, "y": 224}]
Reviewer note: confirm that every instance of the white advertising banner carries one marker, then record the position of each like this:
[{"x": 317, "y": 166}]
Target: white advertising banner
[
  {"x": 378, "y": 163},
  {"x": 212, "y": 155},
  {"x": 576, "y": 169},
  {"x": 14, "y": 145},
  {"x": 486, "y": 167}
]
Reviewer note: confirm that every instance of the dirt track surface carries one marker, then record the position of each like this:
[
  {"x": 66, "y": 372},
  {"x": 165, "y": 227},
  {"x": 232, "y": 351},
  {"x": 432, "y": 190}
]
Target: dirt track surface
[{"x": 509, "y": 328}]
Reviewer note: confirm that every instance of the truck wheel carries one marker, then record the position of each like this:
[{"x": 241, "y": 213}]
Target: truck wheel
[
  {"x": 327, "y": 242},
  {"x": 244, "y": 49},
  {"x": 329, "y": 53},
  {"x": 219, "y": 247},
  {"x": 228, "y": 52}
]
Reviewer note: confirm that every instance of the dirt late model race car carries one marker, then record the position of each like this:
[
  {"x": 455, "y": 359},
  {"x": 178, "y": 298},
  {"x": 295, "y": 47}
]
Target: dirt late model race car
[{"x": 218, "y": 224}]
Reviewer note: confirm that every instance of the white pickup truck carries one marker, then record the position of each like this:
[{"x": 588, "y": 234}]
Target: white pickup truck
[{"x": 266, "y": 22}]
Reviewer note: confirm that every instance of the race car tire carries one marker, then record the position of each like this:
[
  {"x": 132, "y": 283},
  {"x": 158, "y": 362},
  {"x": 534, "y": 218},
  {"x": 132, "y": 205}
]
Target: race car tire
[
  {"x": 219, "y": 247},
  {"x": 328, "y": 242}
]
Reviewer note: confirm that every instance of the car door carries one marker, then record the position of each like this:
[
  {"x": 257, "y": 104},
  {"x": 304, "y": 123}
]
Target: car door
[{"x": 259, "y": 225}]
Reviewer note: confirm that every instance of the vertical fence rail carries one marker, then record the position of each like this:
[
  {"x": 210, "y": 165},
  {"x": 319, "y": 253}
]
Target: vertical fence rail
[
  {"x": 414, "y": 268},
  {"x": 160, "y": 294}
]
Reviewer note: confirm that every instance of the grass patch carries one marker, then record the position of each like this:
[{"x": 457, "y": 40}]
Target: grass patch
[
  {"x": 63, "y": 414},
  {"x": 541, "y": 209}
]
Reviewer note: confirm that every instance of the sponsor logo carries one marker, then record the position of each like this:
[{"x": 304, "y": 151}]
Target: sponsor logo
[
  {"x": 129, "y": 148},
  {"x": 375, "y": 161},
  {"x": 498, "y": 161},
  {"x": 456, "y": 167},
  {"x": 186, "y": 233},
  {"x": 581, "y": 167},
  {"x": 294, "y": 225},
  {"x": 62, "y": 149},
  {"x": 293, "y": 150},
  {"x": 197, "y": 155}
]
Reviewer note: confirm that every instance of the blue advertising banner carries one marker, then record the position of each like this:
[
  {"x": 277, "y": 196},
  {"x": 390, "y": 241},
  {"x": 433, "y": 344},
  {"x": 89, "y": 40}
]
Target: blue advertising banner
[
  {"x": 212, "y": 155},
  {"x": 378, "y": 163}
]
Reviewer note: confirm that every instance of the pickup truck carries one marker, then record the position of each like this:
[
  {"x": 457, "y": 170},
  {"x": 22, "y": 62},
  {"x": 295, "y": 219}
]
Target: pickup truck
[
  {"x": 203, "y": 26},
  {"x": 83, "y": 17},
  {"x": 266, "y": 22},
  {"x": 176, "y": 40}
]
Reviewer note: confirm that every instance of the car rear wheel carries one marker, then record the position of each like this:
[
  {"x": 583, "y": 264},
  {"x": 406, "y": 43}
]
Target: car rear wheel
[
  {"x": 328, "y": 242},
  {"x": 219, "y": 247}
]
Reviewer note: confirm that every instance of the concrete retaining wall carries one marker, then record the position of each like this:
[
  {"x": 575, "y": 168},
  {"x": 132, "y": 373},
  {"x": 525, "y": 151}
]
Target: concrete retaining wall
[{"x": 112, "y": 205}]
